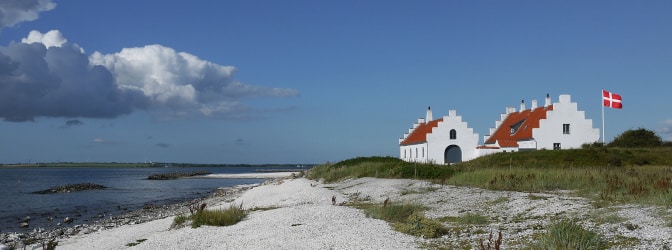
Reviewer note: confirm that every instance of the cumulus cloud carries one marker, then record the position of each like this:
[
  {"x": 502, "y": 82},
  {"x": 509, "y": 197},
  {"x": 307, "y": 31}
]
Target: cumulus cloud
[
  {"x": 59, "y": 81},
  {"x": 52, "y": 38},
  {"x": 13, "y": 12},
  {"x": 181, "y": 81},
  {"x": 45, "y": 75}
]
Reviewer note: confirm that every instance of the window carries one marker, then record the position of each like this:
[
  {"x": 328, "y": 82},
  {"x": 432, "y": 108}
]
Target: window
[
  {"x": 423, "y": 152},
  {"x": 556, "y": 146},
  {"x": 416, "y": 152},
  {"x": 404, "y": 153},
  {"x": 453, "y": 134},
  {"x": 516, "y": 126},
  {"x": 565, "y": 129}
]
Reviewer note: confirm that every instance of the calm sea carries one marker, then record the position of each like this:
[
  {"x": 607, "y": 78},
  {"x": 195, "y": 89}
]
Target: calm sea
[{"x": 127, "y": 189}]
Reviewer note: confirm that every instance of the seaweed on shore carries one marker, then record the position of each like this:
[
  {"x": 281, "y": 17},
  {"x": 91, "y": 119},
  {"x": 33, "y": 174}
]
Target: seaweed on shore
[
  {"x": 176, "y": 175},
  {"x": 71, "y": 188}
]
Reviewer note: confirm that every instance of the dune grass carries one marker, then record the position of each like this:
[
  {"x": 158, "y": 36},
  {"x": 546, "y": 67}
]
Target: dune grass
[
  {"x": 218, "y": 217},
  {"x": 379, "y": 167},
  {"x": 604, "y": 174},
  {"x": 648, "y": 185},
  {"x": 568, "y": 234},
  {"x": 406, "y": 218}
]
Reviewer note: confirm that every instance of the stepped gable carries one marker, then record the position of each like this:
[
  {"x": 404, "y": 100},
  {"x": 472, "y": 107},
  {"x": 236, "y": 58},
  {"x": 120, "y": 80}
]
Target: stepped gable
[
  {"x": 419, "y": 134},
  {"x": 521, "y": 123}
]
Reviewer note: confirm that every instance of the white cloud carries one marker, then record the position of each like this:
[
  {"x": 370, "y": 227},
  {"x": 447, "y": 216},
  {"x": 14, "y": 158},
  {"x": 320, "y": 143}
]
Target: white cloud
[
  {"x": 58, "y": 81},
  {"x": 46, "y": 75},
  {"x": 53, "y": 38},
  {"x": 182, "y": 81},
  {"x": 13, "y": 12}
]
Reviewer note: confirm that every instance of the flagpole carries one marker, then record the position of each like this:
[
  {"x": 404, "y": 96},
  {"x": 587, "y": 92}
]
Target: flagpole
[{"x": 602, "y": 104}]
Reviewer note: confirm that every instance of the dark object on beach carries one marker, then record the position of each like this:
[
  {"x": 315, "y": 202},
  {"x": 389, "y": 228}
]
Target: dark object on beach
[
  {"x": 71, "y": 188},
  {"x": 196, "y": 207},
  {"x": 333, "y": 200},
  {"x": 175, "y": 175}
]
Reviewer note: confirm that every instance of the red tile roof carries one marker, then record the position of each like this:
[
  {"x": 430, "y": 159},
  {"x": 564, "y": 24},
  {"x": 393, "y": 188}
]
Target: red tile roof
[
  {"x": 419, "y": 135},
  {"x": 524, "y": 121}
]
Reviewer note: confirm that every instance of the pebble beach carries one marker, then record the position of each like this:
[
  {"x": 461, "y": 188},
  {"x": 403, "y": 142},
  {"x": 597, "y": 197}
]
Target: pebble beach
[{"x": 298, "y": 213}]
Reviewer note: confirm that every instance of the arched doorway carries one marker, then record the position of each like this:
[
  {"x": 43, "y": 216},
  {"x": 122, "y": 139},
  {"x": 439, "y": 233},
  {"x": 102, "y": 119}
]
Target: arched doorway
[{"x": 453, "y": 154}]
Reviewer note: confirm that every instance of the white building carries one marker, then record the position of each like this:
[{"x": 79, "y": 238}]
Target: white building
[
  {"x": 448, "y": 140},
  {"x": 444, "y": 140}
]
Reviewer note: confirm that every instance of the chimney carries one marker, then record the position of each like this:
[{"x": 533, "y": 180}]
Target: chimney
[
  {"x": 522, "y": 105},
  {"x": 534, "y": 104},
  {"x": 429, "y": 118},
  {"x": 548, "y": 101}
]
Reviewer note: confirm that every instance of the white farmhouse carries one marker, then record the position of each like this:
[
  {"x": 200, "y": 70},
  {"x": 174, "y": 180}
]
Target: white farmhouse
[
  {"x": 449, "y": 140},
  {"x": 444, "y": 140}
]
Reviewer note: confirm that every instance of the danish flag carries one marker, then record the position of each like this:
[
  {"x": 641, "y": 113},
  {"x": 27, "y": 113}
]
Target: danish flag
[{"x": 612, "y": 100}]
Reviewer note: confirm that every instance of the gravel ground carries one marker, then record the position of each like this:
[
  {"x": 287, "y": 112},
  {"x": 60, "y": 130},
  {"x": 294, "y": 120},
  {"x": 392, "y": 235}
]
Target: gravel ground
[
  {"x": 298, "y": 214},
  {"x": 519, "y": 216}
]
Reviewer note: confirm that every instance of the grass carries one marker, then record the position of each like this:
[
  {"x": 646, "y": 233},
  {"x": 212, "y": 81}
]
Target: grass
[
  {"x": 379, "y": 167},
  {"x": 406, "y": 218},
  {"x": 567, "y": 234},
  {"x": 219, "y": 217},
  {"x": 647, "y": 185},
  {"x": 468, "y": 219},
  {"x": 423, "y": 190},
  {"x": 607, "y": 175}
]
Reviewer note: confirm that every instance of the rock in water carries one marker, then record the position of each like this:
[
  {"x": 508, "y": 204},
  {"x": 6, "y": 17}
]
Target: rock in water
[{"x": 71, "y": 188}]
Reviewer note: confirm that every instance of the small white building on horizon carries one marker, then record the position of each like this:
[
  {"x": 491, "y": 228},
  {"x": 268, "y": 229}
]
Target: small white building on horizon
[{"x": 448, "y": 140}]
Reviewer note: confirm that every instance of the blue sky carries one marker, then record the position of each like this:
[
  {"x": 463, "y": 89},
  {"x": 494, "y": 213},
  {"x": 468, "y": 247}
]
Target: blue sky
[{"x": 309, "y": 81}]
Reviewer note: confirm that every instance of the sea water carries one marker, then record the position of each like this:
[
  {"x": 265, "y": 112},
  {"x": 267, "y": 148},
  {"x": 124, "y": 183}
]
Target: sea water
[{"x": 127, "y": 189}]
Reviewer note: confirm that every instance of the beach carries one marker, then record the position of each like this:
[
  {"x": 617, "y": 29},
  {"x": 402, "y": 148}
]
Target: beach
[
  {"x": 298, "y": 213},
  {"x": 303, "y": 218}
]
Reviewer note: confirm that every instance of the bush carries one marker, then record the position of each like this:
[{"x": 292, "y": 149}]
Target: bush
[{"x": 637, "y": 139}]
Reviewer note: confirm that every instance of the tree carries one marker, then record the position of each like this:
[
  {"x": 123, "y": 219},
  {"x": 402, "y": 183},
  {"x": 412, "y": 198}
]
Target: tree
[{"x": 637, "y": 138}]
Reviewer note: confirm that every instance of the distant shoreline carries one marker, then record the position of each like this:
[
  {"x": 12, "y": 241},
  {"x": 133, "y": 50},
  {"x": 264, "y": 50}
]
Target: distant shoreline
[
  {"x": 264, "y": 175},
  {"x": 151, "y": 165}
]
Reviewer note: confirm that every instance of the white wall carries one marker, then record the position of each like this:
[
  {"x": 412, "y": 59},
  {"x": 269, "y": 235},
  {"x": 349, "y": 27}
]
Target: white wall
[
  {"x": 551, "y": 129},
  {"x": 414, "y": 153},
  {"x": 439, "y": 139}
]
